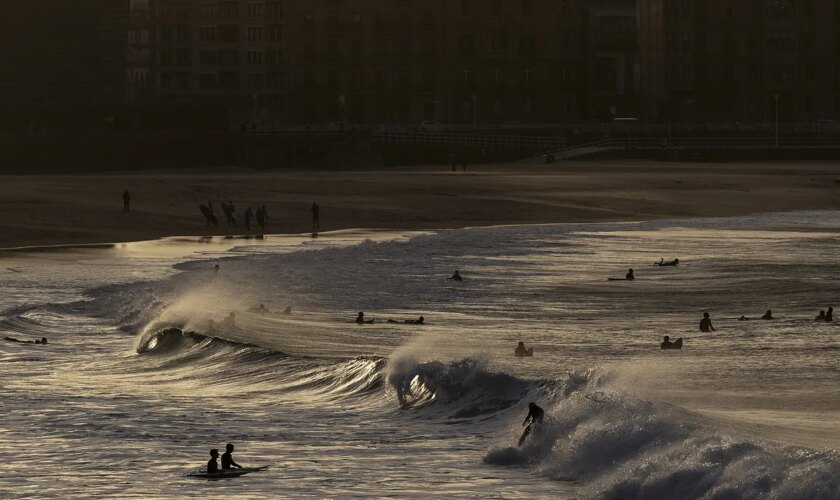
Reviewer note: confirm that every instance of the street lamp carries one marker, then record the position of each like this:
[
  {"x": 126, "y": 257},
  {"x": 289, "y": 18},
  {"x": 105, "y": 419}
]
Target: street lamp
[{"x": 776, "y": 98}]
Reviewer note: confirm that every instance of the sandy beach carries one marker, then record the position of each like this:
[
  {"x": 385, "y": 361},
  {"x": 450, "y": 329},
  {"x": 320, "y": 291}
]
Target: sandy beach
[{"x": 81, "y": 209}]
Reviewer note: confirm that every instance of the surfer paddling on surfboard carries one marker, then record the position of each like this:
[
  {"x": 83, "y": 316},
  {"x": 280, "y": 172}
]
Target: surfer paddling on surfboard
[{"x": 627, "y": 277}]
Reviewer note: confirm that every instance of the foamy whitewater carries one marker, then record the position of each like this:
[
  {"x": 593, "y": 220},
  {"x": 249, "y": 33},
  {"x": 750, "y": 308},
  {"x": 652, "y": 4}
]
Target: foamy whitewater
[{"x": 122, "y": 404}]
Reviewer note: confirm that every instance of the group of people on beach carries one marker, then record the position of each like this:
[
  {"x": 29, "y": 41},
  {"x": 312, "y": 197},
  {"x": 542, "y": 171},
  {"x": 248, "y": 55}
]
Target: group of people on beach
[{"x": 229, "y": 210}]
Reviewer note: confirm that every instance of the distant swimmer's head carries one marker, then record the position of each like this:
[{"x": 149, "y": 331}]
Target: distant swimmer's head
[
  {"x": 532, "y": 405},
  {"x": 214, "y": 453},
  {"x": 521, "y": 344},
  {"x": 361, "y": 314},
  {"x": 705, "y": 315},
  {"x": 216, "y": 268},
  {"x": 232, "y": 315},
  {"x": 43, "y": 340},
  {"x": 422, "y": 319},
  {"x": 677, "y": 261},
  {"x": 666, "y": 338},
  {"x": 229, "y": 447}
]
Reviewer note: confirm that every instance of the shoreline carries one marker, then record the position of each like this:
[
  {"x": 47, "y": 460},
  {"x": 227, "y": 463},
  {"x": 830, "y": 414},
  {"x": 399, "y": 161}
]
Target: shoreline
[{"x": 86, "y": 210}]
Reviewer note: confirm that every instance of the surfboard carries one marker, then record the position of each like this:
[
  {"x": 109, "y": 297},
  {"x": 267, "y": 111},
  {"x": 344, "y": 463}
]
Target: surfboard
[
  {"x": 227, "y": 473},
  {"x": 617, "y": 279}
]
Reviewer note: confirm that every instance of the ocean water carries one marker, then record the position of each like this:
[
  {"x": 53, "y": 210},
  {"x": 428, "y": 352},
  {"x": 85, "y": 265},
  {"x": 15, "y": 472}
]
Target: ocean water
[{"x": 120, "y": 405}]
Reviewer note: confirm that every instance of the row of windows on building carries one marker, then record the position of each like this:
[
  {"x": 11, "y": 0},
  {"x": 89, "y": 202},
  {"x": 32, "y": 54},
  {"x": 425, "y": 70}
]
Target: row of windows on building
[
  {"x": 183, "y": 10},
  {"x": 426, "y": 80},
  {"x": 774, "y": 41}
]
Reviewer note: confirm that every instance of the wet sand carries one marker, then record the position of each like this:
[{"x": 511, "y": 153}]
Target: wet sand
[{"x": 80, "y": 209}]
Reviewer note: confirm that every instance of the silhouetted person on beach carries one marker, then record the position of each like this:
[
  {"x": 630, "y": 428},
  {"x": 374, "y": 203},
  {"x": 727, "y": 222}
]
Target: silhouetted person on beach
[
  {"x": 667, "y": 344},
  {"x": 629, "y": 276},
  {"x": 229, "y": 209},
  {"x": 209, "y": 215},
  {"x": 829, "y": 316},
  {"x": 126, "y": 201},
  {"x": 706, "y": 324},
  {"x": 316, "y": 216},
  {"x": 820, "y": 317},
  {"x": 262, "y": 214},
  {"x": 216, "y": 268},
  {"x": 535, "y": 417},
  {"x": 227, "y": 458},
  {"x": 212, "y": 464},
  {"x": 456, "y": 277},
  {"x": 249, "y": 215},
  {"x": 360, "y": 319},
  {"x": 768, "y": 315}
]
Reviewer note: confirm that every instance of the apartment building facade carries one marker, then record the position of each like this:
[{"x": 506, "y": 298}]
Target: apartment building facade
[
  {"x": 739, "y": 60},
  {"x": 381, "y": 61}
]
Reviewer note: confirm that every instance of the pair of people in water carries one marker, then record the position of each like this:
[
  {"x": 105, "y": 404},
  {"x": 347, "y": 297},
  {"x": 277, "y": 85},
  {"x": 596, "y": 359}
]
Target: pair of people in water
[
  {"x": 522, "y": 352},
  {"x": 227, "y": 460},
  {"x": 828, "y": 317}
]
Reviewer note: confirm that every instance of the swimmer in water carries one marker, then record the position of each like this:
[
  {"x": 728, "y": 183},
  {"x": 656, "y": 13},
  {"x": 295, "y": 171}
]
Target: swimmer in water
[{"x": 706, "y": 323}]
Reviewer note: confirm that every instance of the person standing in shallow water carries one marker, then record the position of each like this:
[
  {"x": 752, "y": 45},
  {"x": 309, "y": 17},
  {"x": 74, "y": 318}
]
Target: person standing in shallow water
[
  {"x": 126, "y": 201},
  {"x": 249, "y": 214},
  {"x": 706, "y": 323}
]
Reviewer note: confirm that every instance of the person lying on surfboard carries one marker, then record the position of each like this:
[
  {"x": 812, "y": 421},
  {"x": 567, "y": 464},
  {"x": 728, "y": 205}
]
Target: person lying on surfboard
[{"x": 672, "y": 263}]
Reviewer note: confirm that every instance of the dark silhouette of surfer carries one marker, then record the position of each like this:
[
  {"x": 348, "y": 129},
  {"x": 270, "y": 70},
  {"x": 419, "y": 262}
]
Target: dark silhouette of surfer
[
  {"x": 456, "y": 277},
  {"x": 667, "y": 344},
  {"x": 262, "y": 215},
  {"x": 43, "y": 341},
  {"x": 212, "y": 464},
  {"x": 535, "y": 417},
  {"x": 627, "y": 277},
  {"x": 249, "y": 216},
  {"x": 706, "y": 323},
  {"x": 522, "y": 352},
  {"x": 209, "y": 215},
  {"x": 829, "y": 316},
  {"x": 821, "y": 316},
  {"x": 227, "y": 458},
  {"x": 768, "y": 315},
  {"x": 672, "y": 263},
  {"x": 419, "y": 321},
  {"x": 360, "y": 319},
  {"x": 229, "y": 209},
  {"x": 126, "y": 201}
]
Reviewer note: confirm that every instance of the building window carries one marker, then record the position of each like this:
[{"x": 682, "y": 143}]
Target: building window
[
  {"x": 229, "y": 33},
  {"x": 229, "y": 10},
  {"x": 274, "y": 10},
  {"x": 207, "y": 57},
  {"x": 208, "y": 10},
  {"x": 208, "y": 81},
  {"x": 208, "y": 33},
  {"x": 228, "y": 57},
  {"x": 274, "y": 33},
  {"x": 254, "y": 34},
  {"x": 254, "y": 57},
  {"x": 255, "y": 10},
  {"x": 274, "y": 57}
]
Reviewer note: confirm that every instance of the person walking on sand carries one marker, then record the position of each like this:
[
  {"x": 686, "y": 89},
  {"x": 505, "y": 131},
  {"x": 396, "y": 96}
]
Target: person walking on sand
[
  {"x": 316, "y": 216},
  {"x": 262, "y": 214},
  {"x": 249, "y": 214},
  {"x": 126, "y": 201}
]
